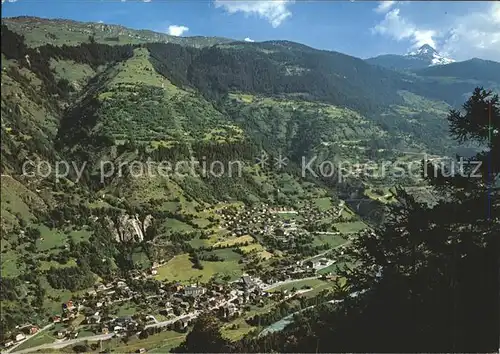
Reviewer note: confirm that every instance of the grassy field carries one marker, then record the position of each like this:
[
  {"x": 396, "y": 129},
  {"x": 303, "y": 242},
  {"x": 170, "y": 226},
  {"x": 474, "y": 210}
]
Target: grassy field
[
  {"x": 45, "y": 265},
  {"x": 347, "y": 214},
  {"x": 202, "y": 223},
  {"x": 50, "y": 239},
  {"x": 180, "y": 268},
  {"x": 53, "y": 307},
  {"x": 227, "y": 254},
  {"x": 75, "y": 73},
  {"x": 125, "y": 309},
  {"x": 236, "y": 241},
  {"x": 157, "y": 343},
  {"x": 174, "y": 225},
  {"x": 198, "y": 242},
  {"x": 330, "y": 239},
  {"x": 235, "y": 334},
  {"x": 256, "y": 247},
  {"x": 10, "y": 258},
  {"x": 350, "y": 227},
  {"x": 42, "y": 338},
  {"x": 332, "y": 268},
  {"x": 141, "y": 258},
  {"x": 80, "y": 235},
  {"x": 323, "y": 204}
]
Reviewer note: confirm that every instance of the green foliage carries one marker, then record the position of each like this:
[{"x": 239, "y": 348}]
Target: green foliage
[
  {"x": 229, "y": 102},
  {"x": 475, "y": 69},
  {"x": 258, "y": 67},
  {"x": 408, "y": 270},
  {"x": 71, "y": 278},
  {"x": 204, "y": 337}
]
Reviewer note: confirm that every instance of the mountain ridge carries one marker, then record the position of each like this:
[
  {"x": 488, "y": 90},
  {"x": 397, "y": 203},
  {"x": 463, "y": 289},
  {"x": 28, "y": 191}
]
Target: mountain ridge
[
  {"x": 73, "y": 32},
  {"x": 423, "y": 57},
  {"x": 166, "y": 38},
  {"x": 428, "y": 53}
]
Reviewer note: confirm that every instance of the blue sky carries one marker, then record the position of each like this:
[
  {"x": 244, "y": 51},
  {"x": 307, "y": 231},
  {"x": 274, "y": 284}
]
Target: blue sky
[{"x": 461, "y": 30}]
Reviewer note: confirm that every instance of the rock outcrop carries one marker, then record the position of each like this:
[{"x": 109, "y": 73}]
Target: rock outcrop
[{"x": 129, "y": 228}]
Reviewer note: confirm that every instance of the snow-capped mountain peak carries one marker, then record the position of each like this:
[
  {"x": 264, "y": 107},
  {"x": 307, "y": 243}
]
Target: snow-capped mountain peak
[
  {"x": 424, "y": 51},
  {"x": 428, "y": 54}
]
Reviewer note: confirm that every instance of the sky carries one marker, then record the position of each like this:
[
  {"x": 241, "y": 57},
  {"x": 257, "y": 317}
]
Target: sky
[{"x": 458, "y": 29}]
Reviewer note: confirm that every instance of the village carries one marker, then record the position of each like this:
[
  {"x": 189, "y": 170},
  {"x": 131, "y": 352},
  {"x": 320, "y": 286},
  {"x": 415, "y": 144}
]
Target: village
[
  {"x": 179, "y": 305},
  {"x": 275, "y": 223},
  {"x": 172, "y": 306}
]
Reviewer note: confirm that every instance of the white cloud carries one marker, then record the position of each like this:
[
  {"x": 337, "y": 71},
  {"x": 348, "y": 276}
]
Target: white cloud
[
  {"x": 476, "y": 34},
  {"x": 9, "y": 1},
  {"x": 175, "y": 30},
  {"x": 248, "y": 40},
  {"x": 274, "y": 11},
  {"x": 421, "y": 37},
  {"x": 384, "y": 6},
  {"x": 473, "y": 34},
  {"x": 395, "y": 26}
]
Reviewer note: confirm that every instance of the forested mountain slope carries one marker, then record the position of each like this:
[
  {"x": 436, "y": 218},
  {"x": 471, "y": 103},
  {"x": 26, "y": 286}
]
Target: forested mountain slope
[{"x": 473, "y": 69}]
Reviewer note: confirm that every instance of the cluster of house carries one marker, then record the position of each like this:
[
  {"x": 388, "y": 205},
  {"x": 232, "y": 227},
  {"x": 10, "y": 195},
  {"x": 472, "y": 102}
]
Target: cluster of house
[
  {"x": 310, "y": 213},
  {"x": 174, "y": 301},
  {"x": 264, "y": 220},
  {"x": 227, "y": 302},
  {"x": 317, "y": 263},
  {"x": 21, "y": 334},
  {"x": 179, "y": 303},
  {"x": 120, "y": 325},
  {"x": 256, "y": 221}
]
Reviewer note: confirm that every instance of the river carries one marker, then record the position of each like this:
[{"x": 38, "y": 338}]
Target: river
[{"x": 281, "y": 324}]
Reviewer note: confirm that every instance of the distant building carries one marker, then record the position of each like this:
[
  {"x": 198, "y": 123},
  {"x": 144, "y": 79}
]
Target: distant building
[
  {"x": 68, "y": 306},
  {"x": 178, "y": 287},
  {"x": 96, "y": 318},
  {"x": 182, "y": 324},
  {"x": 117, "y": 329},
  {"x": 194, "y": 291},
  {"x": 228, "y": 311},
  {"x": 247, "y": 282},
  {"x": 312, "y": 264},
  {"x": 20, "y": 337}
]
